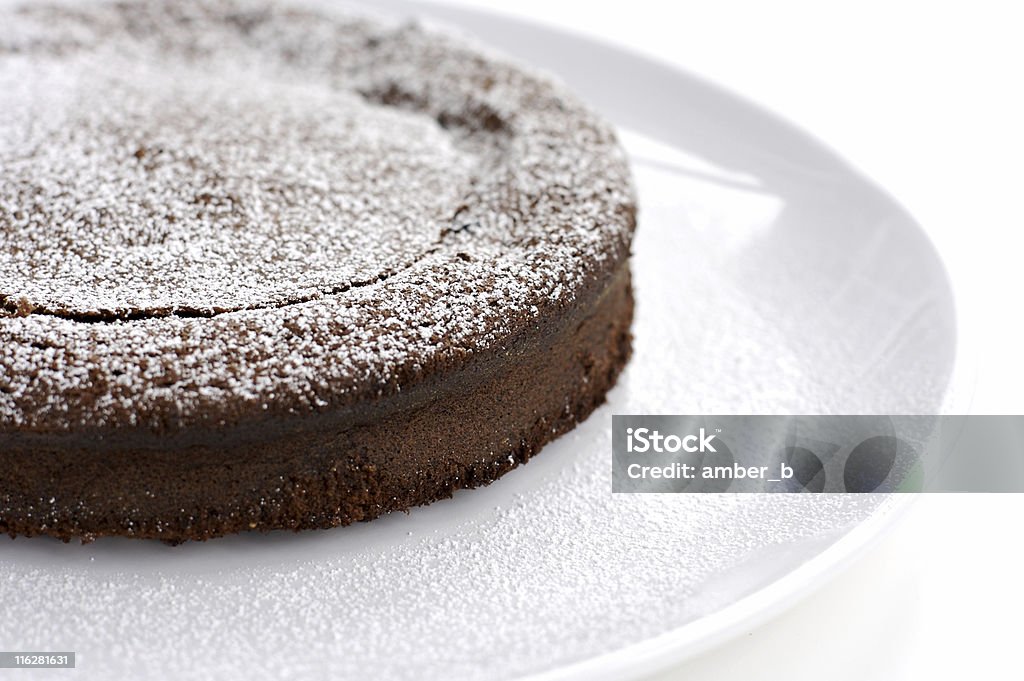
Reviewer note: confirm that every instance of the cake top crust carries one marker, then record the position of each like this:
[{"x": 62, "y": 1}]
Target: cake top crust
[{"x": 213, "y": 208}]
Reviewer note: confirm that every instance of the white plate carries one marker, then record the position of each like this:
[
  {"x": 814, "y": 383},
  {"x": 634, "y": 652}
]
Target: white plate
[{"x": 770, "y": 278}]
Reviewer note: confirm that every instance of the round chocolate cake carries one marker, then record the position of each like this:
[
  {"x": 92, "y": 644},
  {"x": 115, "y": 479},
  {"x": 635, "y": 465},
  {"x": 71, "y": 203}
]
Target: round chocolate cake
[{"x": 269, "y": 266}]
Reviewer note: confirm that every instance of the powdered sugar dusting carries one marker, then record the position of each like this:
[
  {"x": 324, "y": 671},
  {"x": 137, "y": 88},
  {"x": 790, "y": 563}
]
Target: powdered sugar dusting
[
  {"x": 144, "y": 192},
  {"x": 210, "y": 200}
]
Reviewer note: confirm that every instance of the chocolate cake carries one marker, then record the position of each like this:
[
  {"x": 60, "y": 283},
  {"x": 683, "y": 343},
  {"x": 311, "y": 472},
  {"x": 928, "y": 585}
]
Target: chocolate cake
[{"x": 271, "y": 266}]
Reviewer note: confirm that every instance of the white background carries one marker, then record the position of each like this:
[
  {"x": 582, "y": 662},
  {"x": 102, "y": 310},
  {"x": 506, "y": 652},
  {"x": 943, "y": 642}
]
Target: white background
[{"x": 928, "y": 100}]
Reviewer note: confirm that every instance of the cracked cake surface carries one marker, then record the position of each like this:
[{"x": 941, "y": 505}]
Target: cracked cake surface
[{"x": 216, "y": 214}]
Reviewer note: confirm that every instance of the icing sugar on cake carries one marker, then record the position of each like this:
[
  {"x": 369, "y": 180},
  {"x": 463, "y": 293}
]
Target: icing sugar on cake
[{"x": 219, "y": 214}]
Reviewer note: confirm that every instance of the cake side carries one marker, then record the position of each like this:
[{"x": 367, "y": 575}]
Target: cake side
[{"x": 333, "y": 470}]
